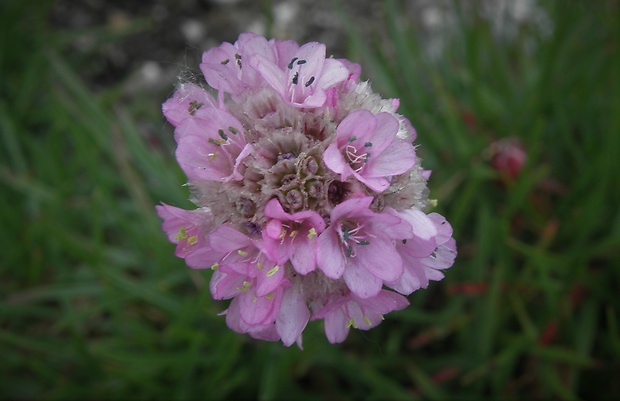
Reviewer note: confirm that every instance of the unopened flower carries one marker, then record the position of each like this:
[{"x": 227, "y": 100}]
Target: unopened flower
[{"x": 310, "y": 198}]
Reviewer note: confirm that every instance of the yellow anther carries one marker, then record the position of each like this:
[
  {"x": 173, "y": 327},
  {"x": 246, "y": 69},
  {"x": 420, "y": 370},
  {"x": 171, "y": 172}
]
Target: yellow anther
[
  {"x": 282, "y": 234},
  {"x": 270, "y": 296},
  {"x": 192, "y": 240},
  {"x": 214, "y": 266},
  {"x": 367, "y": 321},
  {"x": 182, "y": 235},
  {"x": 272, "y": 271},
  {"x": 247, "y": 284},
  {"x": 213, "y": 156},
  {"x": 293, "y": 233},
  {"x": 351, "y": 322},
  {"x": 311, "y": 233},
  {"x": 260, "y": 266},
  {"x": 242, "y": 253},
  {"x": 433, "y": 202}
]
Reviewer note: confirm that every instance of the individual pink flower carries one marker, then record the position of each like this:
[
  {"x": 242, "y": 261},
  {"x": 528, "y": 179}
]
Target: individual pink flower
[
  {"x": 226, "y": 67},
  {"x": 212, "y": 147},
  {"x": 358, "y": 245},
  {"x": 366, "y": 147},
  {"x": 307, "y": 76},
  {"x": 350, "y": 310},
  {"x": 238, "y": 254},
  {"x": 431, "y": 250},
  {"x": 185, "y": 228},
  {"x": 292, "y": 236}
]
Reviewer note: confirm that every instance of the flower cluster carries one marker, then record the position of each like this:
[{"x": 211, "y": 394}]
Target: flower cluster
[{"x": 309, "y": 193}]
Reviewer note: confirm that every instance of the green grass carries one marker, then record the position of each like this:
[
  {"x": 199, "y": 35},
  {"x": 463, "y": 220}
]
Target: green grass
[{"x": 96, "y": 306}]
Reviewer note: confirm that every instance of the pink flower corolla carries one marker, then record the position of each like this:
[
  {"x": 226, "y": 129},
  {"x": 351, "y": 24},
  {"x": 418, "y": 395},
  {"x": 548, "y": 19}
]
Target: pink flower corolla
[
  {"x": 367, "y": 148},
  {"x": 292, "y": 236},
  {"x": 430, "y": 250},
  {"x": 186, "y": 228},
  {"x": 305, "y": 79},
  {"x": 360, "y": 313},
  {"x": 226, "y": 68},
  {"x": 358, "y": 245},
  {"x": 212, "y": 147},
  {"x": 311, "y": 202},
  {"x": 239, "y": 254}
]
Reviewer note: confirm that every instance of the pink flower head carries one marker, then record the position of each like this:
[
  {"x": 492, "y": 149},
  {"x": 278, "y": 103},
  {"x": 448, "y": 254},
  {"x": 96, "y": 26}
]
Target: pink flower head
[
  {"x": 366, "y": 147},
  {"x": 306, "y": 77},
  {"x": 310, "y": 199}
]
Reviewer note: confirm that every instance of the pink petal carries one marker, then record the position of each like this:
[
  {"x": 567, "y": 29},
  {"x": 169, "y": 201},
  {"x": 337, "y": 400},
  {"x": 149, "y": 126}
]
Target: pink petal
[
  {"x": 293, "y": 316},
  {"x": 270, "y": 279},
  {"x": 226, "y": 239},
  {"x": 329, "y": 254},
  {"x": 336, "y": 329},
  {"x": 333, "y": 73},
  {"x": 386, "y": 302},
  {"x": 444, "y": 229},
  {"x": 259, "y": 310},
  {"x": 361, "y": 282},
  {"x": 398, "y": 158},
  {"x": 351, "y": 207},
  {"x": 413, "y": 278},
  {"x": 269, "y": 71},
  {"x": 335, "y": 161},
  {"x": 302, "y": 255},
  {"x": 381, "y": 259},
  {"x": 225, "y": 286}
]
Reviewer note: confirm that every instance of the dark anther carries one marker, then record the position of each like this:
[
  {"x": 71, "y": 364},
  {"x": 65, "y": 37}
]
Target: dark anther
[
  {"x": 225, "y": 61},
  {"x": 352, "y": 138},
  {"x": 233, "y": 130},
  {"x": 193, "y": 106},
  {"x": 404, "y": 241},
  {"x": 368, "y": 144},
  {"x": 363, "y": 242},
  {"x": 310, "y": 81},
  {"x": 349, "y": 251},
  {"x": 222, "y": 134},
  {"x": 290, "y": 65},
  {"x": 238, "y": 58},
  {"x": 295, "y": 78},
  {"x": 367, "y": 157},
  {"x": 300, "y": 62}
]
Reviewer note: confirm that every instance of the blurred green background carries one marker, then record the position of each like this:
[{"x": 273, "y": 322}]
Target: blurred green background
[{"x": 94, "y": 305}]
